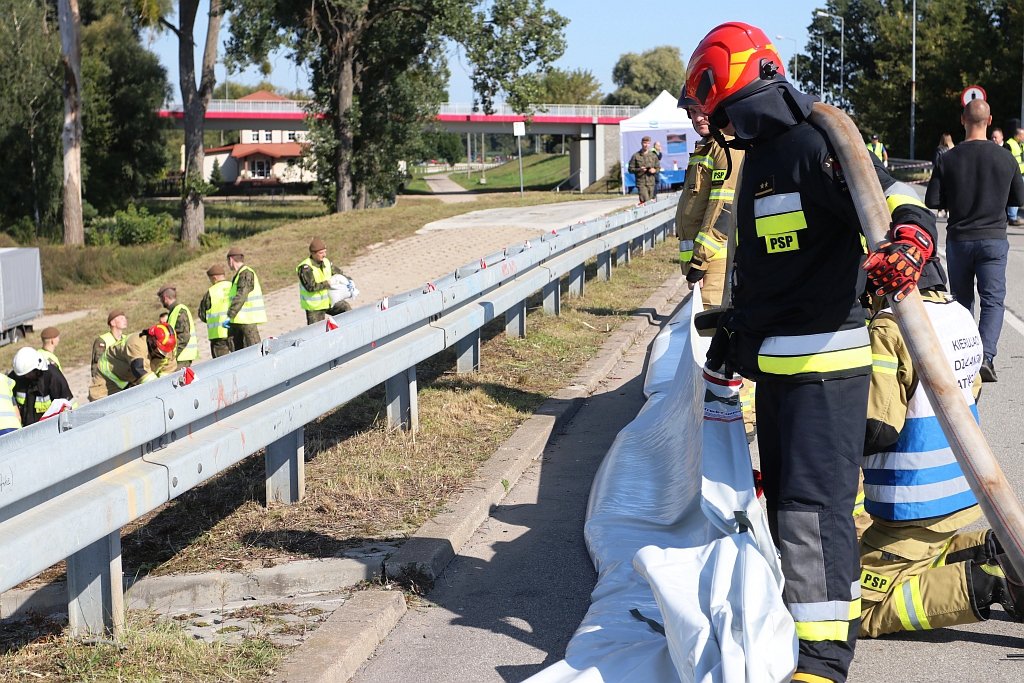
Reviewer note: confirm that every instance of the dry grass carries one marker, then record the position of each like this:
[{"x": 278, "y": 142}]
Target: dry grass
[{"x": 152, "y": 649}]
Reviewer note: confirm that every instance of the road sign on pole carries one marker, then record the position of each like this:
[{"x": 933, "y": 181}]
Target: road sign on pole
[
  {"x": 519, "y": 130},
  {"x": 972, "y": 92}
]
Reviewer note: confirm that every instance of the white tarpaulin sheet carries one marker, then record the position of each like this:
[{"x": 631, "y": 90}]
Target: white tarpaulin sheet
[{"x": 689, "y": 585}]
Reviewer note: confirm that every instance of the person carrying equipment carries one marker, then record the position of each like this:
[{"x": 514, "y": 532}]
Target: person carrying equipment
[
  {"x": 918, "y": 570},
  {"x": 796, "y": 325},
  {"x": 314, "y": 284},
  {"x": 213, "y": 310},
  {"x": 136, "y": 359}
]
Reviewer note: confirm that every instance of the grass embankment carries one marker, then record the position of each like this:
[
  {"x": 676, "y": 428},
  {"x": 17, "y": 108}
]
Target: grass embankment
[
  {"x": 273, "y": 253},
  {"x": 364, "y": 482},
  {"x": 152, "y": 649},
  {"x": 540, "y": 172}
]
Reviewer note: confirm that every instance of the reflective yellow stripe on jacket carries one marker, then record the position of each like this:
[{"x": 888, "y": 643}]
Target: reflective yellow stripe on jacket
[
  {"x": 10, "y": 418},
  {"x": 685, "y": 251},
  {"x": 816, "y": 353},
  {"x": 191, "y": 350},
  {"x": 778, "y": 218},
  {"x": 315, "y": 301},
  {"x": 220, "y": 300},
  {"x": 253, "y": 311}
]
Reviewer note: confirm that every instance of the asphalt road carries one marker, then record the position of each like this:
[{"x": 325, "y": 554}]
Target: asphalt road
[{"x": 509, "y": 603}]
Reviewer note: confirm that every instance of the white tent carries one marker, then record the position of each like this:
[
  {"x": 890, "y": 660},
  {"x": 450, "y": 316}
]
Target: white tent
[{"x": 666, "y": 123}]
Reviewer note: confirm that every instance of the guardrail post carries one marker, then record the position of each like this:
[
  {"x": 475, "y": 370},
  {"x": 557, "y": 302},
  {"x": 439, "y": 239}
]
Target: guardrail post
[
  {"x": 467, "y": 353},
  {"x": 515, "y": 320},
  {"x": 604, "y": 266},
  {"x": 553, "y": 298},
  {"x": 577, "y": 276},
  {"x": 95, "y": 594},
  {"x": 285, "y": 460},
  {"x": 622, "y": 254},
  {"x": 403, "y": 407}
]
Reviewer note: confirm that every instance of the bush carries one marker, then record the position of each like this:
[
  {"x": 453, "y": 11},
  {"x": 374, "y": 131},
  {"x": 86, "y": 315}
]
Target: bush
[
  {"x": 138, "y": 226},
  {"x": 72, "y": 267}
]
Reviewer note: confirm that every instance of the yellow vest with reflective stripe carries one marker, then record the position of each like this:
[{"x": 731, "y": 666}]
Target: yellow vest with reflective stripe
[
  {"x": 315, "y": 301},
  {"x": 253, "y": 311},
  {"x": 108, "y": 339},
  {"x": 1017, "y": 150},
  {"x": 107, "y": 369},
  {"x": 878, "y": 149},
  {"x": 50, "y": 357},
  {"x": 10, "y": 418},
  {"x": 191, "y": 350},
  {"x": 218, "y": 313}
]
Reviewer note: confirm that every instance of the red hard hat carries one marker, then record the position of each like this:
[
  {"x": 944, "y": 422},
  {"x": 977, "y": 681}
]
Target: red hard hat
[
  {"x": 732, "y": 56},
  {"x": 164, "y": 337}
]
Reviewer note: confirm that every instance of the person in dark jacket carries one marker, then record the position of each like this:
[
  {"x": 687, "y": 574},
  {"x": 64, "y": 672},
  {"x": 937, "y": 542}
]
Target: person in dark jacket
[
  {"x": 796, "y": 325},
  {"x": 37, "y": 384},
  {"x": 975, "y": 182}
]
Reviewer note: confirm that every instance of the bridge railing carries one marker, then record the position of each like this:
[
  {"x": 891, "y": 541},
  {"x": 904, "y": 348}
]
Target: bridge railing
[
  {"x": 68, "y": 485},
  {"x": 299, "y": 107}
]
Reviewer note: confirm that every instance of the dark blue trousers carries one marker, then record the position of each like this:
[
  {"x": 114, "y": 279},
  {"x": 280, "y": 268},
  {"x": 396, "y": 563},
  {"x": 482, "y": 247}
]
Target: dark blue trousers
[{"x": 983, "y": 261}]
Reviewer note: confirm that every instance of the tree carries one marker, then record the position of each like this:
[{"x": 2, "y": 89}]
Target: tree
[
  {"x": 958, "y": 43},
  {"x": 641, "y": 78},
  {"x": 123, "y": 84},
  {"x": 216, "y": 179},
  {"x": 365, "y": 56},
  {"x": 195, "y": 98},
  {"x": 578, "y": 86},
  {"x": 71, "y": 57},
  {"x": 30, "y": 116}
]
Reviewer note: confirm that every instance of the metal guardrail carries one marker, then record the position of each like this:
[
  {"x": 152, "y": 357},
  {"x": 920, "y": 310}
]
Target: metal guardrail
[{"x": 68, "y": 485}]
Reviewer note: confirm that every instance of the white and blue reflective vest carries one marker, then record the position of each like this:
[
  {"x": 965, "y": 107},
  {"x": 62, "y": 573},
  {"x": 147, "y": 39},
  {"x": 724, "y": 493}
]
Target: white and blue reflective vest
[{"x": 918, "y": 477}]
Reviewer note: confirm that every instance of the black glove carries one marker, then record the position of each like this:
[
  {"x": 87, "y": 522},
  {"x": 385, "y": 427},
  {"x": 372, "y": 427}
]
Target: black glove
[
  {"x": 694, "y": 275},
  {"x": 720, "y": 350}
]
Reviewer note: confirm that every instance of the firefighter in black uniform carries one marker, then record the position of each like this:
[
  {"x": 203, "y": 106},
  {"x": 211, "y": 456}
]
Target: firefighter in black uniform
[{"x": 796, "y": 326}]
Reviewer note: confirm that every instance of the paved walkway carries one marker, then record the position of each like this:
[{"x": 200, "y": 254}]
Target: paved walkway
[
  {"x": 437, "y": 249},
  {"x": 447, "y": 190}
]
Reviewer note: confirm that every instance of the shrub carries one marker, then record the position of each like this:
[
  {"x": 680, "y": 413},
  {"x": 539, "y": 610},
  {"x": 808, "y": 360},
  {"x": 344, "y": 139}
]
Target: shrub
[{"x": 138, "y": 226}]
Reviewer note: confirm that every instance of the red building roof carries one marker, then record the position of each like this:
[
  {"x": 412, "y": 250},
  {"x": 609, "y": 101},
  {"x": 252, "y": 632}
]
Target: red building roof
[
  {"x": 274, "y": 150},
  {"x": 263, "y": 96}
]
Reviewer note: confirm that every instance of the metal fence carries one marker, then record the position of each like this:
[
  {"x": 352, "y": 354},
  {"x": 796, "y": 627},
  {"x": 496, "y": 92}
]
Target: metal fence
[
  {"x": 299, "y": 107},
  {"x": 68, "y": 485}
]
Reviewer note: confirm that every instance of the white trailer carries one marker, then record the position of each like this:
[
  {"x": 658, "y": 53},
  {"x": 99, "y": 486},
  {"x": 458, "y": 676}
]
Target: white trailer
[{"x": 21, "y": 292}]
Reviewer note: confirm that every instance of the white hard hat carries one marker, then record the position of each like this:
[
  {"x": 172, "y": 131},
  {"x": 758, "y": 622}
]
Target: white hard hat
[{"x": 28, "y": 359}]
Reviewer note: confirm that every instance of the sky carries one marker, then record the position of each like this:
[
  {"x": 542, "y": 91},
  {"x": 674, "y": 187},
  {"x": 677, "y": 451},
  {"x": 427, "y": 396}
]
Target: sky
[{"x": 599, "y": 32}]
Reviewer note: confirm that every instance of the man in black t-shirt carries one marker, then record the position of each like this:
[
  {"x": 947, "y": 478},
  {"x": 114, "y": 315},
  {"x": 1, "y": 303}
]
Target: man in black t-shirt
[{"x": 975, "y": 182}]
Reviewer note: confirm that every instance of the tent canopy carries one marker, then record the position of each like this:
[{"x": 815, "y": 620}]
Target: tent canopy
[{"x": 666, "y": 123}]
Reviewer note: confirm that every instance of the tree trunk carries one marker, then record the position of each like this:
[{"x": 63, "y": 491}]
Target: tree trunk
[
  {"x": 195, "y": 100},
  {"x": 343, "y": 126},
  {"x": 71, "y": 41}
]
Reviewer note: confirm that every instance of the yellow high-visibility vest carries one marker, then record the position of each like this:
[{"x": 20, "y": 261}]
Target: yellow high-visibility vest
[
  {"x": 220, "y": 299},
  {"x": 315, "y": 301},
  {"x": 10, "y": 418},
  {"x": 253, "y": 311},
  {"x": 1017, "y": 150},
  {"x": 191, "y": 350},
  {"x": 106, "y": 368},
  {"x": 878, "y": 149}
]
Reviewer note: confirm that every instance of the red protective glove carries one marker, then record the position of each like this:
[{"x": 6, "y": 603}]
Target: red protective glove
[{"x": 896, "y": 264}]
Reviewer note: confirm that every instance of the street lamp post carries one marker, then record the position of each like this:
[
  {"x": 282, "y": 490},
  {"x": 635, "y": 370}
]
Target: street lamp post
[
  {"x": 913, "y": 76},
  {"x": 796, "y": 57},
  {"x": 842, "y": 46}
]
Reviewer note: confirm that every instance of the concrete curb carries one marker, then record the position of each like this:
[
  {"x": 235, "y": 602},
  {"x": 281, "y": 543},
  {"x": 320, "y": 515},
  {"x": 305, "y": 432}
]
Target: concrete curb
[{"x": 341, "y": 644}]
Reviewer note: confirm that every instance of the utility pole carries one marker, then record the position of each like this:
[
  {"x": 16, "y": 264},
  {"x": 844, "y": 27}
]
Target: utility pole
[{"x": 913, "y": 76}]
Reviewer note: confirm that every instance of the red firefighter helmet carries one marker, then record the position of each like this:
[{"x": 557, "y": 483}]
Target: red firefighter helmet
[
  {"x": 163, "y": 335},
  {"x": 732, "y": 56}
]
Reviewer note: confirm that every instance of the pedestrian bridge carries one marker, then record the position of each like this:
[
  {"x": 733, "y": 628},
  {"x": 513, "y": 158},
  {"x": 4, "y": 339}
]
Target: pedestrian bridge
[{"x": 592, "y": 129}]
